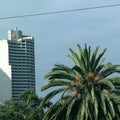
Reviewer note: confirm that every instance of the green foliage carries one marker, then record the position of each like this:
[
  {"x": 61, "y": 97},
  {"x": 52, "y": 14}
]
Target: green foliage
[
  {"x": 27, "y": 108},
  {"x": 87, "y": 93}
]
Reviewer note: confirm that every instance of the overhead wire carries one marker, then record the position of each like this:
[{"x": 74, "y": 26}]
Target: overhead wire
[{"x": 62, "y": 11}]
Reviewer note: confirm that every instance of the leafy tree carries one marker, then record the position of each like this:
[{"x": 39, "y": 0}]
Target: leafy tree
[
  {"x": 26, "y": 108},
  {"x": 87, "y": 91}
]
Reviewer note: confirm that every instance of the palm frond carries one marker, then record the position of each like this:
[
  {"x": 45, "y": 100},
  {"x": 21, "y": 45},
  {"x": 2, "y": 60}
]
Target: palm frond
[
  {"x": 110, "y": 106},
  {"x": 83, "y": 58},
  {"x": 79, "y": 70},
  {"x": 110, "y": 70},
  {"x": 103, "y": 104},
  {"x": 55, "y": 83},
  {"x": 59, "y": 75},
  {"x": 87, "y": 52},
  {"x": 61, "y": 67},
  {"x": 50, "y": 111},
  {"x": 93, "y": 57},
  {"x": 96, "y": 62},
  {"x": 49, "y": 96},
  {"x": 105, "y": 83},
  {"x": 74, "y": 57},
  {"x": 69, "y": 108},
  {"x": 84, "y": 88},
  {"x": 98, "y": 69}
]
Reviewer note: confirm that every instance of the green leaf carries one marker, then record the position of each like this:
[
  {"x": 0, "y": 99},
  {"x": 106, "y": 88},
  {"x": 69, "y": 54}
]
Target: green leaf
[
  {"x": 93, "y": 58},
  {"x": 96, "y": 62},
  {"x": 96, "y": 108},
  {"x": 106, "y": 83},
  {"x": 59, "y": 75},
  {"x": 51, "y": 95},
  {"x": 103, "y": 104},
  {"x": 110, "y": 105},
  {"x": 110, "y": 70},
  {"x": 75, "y": 57},
  {"x": 54, "y": 83},
  {"x": 61, "y": 67},
  {"x": 81, "y": 112},
  {"x": 69, "y": 108}
]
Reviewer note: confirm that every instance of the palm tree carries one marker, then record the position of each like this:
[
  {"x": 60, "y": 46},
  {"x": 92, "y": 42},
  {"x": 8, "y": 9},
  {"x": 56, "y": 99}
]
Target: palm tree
[{"x": 87, "y": 93}]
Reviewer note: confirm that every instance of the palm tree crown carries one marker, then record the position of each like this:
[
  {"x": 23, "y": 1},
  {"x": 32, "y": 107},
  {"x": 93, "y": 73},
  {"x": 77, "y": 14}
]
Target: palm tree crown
[{"x": 87, "y": 91}]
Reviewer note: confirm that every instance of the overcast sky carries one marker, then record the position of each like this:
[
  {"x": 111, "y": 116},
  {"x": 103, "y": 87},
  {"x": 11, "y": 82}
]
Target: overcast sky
[{"x": 54, "y": 34}]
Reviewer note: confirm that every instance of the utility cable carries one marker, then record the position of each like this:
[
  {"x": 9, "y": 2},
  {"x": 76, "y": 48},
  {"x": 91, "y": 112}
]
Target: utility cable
[{"x": 63, "y": 11}]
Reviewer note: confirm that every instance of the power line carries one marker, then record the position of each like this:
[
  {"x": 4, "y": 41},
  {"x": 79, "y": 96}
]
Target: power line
[{"x": 63, "y": 11}]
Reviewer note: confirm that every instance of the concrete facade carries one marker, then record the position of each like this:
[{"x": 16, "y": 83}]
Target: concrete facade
[
  {"x": 17, "y": 65},
  {"x": 5, "y": 73}
]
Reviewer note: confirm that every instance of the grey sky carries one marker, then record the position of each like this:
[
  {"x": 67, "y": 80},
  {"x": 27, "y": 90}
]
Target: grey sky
[{"x": 54, "y": 34}]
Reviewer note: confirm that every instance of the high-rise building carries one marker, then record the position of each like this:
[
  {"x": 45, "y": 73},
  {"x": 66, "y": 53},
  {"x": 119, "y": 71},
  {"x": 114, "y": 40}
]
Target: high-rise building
[{"x": 17, "y": 65}]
